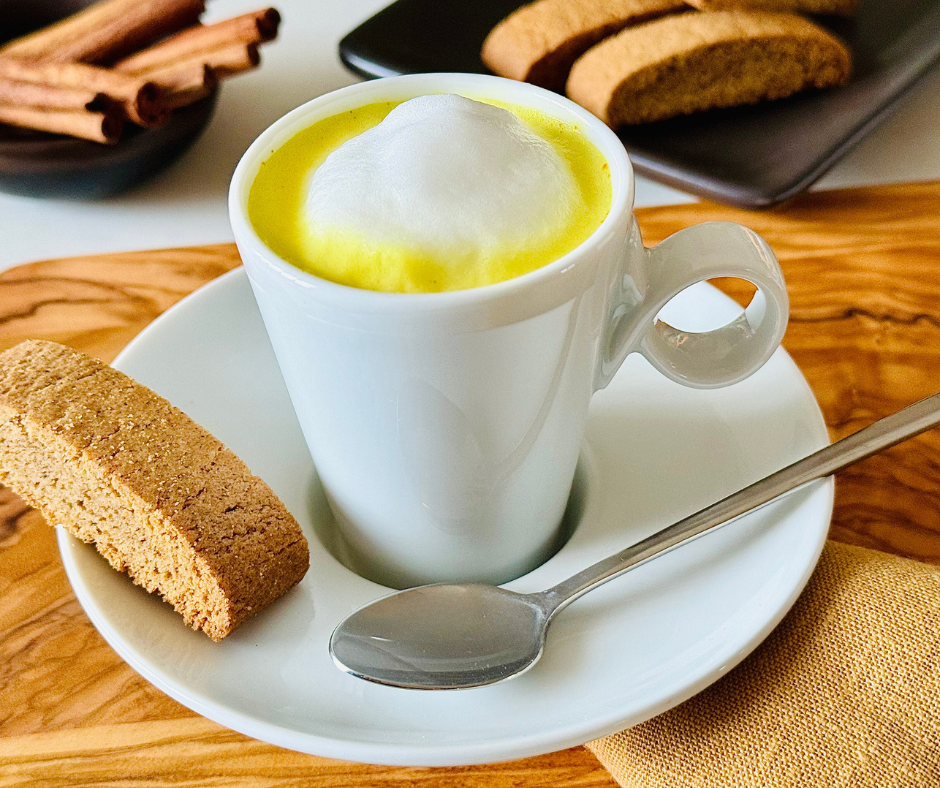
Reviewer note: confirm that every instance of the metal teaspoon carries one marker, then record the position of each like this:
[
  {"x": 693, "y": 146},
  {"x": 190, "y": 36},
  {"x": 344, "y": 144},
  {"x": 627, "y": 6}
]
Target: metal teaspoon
[{"x": 461, "y": 636}]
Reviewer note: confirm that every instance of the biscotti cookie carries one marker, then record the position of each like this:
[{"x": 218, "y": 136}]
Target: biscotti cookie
[
  {"x": 163, "y": 500},
  {"x": 697, "y": 61},
  {"x": 538, "y": 42},
  {"x": 821, "y": 7}
]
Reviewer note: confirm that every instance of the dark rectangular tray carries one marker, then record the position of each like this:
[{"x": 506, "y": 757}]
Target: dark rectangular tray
[{"x": 752, "y": 157}]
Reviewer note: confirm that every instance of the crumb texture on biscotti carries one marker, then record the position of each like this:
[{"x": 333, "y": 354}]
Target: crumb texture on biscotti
[
  {"x": 702, "y": 60},
  {"x": 161, "y": 499},
  {"x": 845, "y": 8},
  {"x": 538, "y": 42}
]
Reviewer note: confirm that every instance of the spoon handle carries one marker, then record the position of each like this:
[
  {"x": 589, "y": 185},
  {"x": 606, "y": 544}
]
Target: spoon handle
[{"x": 883, "y": 434}]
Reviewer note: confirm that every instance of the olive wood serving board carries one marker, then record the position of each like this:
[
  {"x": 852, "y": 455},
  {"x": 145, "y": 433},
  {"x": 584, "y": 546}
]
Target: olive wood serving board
[{"x": 863, "y": 272}]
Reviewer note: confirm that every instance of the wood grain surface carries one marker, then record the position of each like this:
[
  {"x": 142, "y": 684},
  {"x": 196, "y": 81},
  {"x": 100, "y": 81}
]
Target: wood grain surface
[{"x": 863, "y": 272}]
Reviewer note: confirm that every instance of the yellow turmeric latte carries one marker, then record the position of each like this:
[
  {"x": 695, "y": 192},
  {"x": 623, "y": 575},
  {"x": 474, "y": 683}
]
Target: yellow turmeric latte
[{"x": 432, "y": 194}]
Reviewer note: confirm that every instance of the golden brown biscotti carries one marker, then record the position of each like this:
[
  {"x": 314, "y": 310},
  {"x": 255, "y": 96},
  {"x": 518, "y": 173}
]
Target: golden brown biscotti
[
  {"x": 538, "y": 42},
  {"x": 697, "y": 61},
  {"x": 162, "y": 499},
  {"x": 822, "y": 7}
]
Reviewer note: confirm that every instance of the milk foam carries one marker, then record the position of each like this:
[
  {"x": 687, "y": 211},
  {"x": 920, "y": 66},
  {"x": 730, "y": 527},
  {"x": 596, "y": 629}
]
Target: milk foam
[{"x": 446, "y": 176}]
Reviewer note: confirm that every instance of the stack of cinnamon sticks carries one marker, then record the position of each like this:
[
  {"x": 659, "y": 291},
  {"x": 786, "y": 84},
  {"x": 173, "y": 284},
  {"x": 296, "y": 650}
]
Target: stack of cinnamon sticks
[{"x": 122, "y": 61}]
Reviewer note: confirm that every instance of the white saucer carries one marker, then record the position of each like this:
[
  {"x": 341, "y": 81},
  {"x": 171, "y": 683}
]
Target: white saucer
[{"x": 633, "y": 648}]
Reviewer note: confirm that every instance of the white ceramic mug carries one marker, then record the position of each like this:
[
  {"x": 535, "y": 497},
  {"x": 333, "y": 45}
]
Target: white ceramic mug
[{"x": 446, "y": 427}]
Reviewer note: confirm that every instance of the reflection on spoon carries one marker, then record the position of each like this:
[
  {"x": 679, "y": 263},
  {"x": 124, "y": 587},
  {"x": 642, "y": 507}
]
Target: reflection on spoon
[{"x": 461, "y": 636}]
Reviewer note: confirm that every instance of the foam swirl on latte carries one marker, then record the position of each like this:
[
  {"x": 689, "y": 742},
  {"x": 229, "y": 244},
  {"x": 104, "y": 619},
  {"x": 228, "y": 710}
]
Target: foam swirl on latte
[
  {"x": 437, "y": 193},
  {"x": 444, "y": 176}
]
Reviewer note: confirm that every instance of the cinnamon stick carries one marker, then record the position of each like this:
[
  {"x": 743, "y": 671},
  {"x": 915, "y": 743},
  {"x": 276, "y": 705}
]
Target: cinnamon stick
[
  {"x": 31, "y": 94},
  {"x": 253, "y": 28},
  {"x": 55, "y": 68},
  {"x": 224, "y": 62},
  {"x": 107, "y": 31},
  {"x": 233, "y": 60},
  {"x": 138, "y": 96},
  {"x": 96, "y": 126},
  {"x": 184, "y": 96},
  {"x": 183, "y": 83}
]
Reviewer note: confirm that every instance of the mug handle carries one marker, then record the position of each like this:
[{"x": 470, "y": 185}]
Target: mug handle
[{"x": 710, "y": 359}]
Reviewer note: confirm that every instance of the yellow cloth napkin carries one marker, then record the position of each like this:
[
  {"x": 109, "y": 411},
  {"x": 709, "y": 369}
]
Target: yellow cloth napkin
[{"x": 844, "y": 692}]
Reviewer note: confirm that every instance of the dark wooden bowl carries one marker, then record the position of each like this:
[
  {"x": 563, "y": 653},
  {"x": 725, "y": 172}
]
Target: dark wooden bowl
[{"x": 37, "y": 164}]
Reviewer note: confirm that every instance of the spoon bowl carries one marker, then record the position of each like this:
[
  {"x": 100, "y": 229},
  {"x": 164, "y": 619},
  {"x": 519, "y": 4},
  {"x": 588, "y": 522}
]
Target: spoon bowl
[{"x": 442, "y": 636}]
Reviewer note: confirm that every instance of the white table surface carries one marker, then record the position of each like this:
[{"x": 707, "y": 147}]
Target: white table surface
[{"x": 185, "y": 205}]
